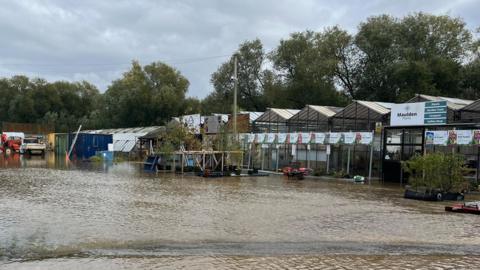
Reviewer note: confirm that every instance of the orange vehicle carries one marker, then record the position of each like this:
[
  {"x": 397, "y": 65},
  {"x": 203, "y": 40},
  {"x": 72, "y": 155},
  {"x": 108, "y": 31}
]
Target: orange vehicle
[{"x": 11, "y": 142}]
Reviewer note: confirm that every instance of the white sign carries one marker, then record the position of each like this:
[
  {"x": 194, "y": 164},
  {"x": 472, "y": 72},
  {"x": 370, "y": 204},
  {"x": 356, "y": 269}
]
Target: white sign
[
  {"x": 348, "y": 137},
  {"x": 319, "y": 138},
  {"x": 328, "y": 150},
  {"x": 281, "y": 138},
  {"x": 334, "y": 137},
  {"x": 419, "y": 113},
  {"x": 407, "y": 114}
]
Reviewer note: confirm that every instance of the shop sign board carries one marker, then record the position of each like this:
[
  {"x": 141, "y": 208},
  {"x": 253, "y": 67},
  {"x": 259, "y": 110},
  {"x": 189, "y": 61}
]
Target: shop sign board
[{"x": 419, "y": 113}]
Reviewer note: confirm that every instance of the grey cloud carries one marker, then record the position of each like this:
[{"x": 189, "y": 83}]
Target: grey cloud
[{"x": 96, "y": 40}]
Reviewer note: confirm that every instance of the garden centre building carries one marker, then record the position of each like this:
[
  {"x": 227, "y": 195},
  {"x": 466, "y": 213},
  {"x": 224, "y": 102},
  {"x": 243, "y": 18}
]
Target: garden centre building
[{"x": 365, "y": 137}]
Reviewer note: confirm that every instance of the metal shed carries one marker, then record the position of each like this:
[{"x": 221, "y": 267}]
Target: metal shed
[{"x": 126, "y": 139}]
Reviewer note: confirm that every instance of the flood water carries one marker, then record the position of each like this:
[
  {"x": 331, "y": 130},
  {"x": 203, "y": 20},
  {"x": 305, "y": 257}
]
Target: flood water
[{"x": 99, "y": 216}]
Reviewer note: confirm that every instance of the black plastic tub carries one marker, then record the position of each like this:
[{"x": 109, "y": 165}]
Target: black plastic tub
[{"x": 433, "y": 195}]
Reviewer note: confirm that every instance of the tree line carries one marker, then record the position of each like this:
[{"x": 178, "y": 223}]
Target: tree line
[{"x": 388, "y": 59}]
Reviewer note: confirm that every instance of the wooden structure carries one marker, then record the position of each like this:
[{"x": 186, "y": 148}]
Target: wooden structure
[{"x": 203, "y": 160}]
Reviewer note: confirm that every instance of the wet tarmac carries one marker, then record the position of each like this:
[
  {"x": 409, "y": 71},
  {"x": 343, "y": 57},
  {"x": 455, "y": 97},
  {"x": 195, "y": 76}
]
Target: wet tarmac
[{"x": 114, "y": 216}]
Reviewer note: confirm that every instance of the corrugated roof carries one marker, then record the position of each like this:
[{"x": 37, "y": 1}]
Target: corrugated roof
[
  {"x": 452, "y": 103},
  {"x": 361, "y": 109},
  {"x": 315, "y": 113},
  {"x": 273, "y": 115},
  {"x": 125, "y": 139},
  {"x": 253, "y": 115},
  {"x": 474, "y": 106},
  {"x": 380, "y": 107}
]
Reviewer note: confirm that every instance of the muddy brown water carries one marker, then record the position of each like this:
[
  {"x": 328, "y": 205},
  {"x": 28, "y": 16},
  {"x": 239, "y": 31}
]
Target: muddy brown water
[{"x": 99, "y": 216}]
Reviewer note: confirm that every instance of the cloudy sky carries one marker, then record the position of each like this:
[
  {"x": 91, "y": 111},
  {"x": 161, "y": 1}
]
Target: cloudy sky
[{"x": 96, "y": 40}]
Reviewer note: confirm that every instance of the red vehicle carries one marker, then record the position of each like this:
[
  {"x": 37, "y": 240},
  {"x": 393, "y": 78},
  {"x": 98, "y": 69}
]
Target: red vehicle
[
  {"x": 468, "y": 207},
  {"x": 11, "y": 142},
  {"x": 294, "y": 170}
]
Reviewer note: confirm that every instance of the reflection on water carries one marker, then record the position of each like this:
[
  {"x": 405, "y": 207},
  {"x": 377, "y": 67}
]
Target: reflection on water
[{"x": 50, "y": 209}]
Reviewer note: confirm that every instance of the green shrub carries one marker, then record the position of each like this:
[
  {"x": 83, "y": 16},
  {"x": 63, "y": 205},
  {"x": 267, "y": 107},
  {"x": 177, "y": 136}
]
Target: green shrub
[
  {"x": 436, "y": 171},
  {"x": 96, "y": 159},
  {"x": 319, "y": 172}
]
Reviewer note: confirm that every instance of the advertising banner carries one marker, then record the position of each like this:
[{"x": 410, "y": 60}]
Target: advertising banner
[
  {"x": 213, "y": 124},
  {"x": 364, "y": 138},
  {"x": 348, "y": 137},
  {"x": 438, "y": 137},
  {"x": 260, "y": 138},
  {"x": 319, "y": 138},
  {"x": 192, "y": 122},
  {"x": 251, "y": 138},
  {"x": 334, "y": 137},
  {"x": 419, "y": 113},
  {"x": 293, "y": 138},
  {"x": 476, "y": 137},
  {"x": 304, "y": 138},
  {"x": 270, "y": 138},
  {"x": 282, "y": 138},
  {"x": 464, "y": 137}
]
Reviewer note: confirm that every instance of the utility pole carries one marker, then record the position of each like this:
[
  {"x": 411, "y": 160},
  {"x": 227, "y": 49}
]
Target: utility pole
[{"x": 235, "y": 86}]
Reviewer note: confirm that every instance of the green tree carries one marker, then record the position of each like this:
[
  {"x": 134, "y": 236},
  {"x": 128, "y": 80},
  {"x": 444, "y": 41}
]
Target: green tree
[
  {"x": 144, "y": 96},
  {"x": 306, "y": 70},
  {"x": 250, "y": 60}
]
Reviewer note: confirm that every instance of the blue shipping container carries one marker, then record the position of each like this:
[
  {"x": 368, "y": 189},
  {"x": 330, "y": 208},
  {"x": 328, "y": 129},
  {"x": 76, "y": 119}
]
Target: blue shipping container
[{"x": 87, "y": 144}]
